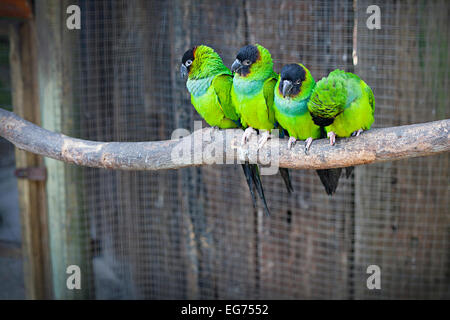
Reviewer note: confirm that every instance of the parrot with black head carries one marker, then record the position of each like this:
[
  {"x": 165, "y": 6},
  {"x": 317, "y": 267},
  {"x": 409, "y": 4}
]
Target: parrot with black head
[
  {"x": 252, "y": 93},
  {"x": 291, "y": 95},
  {"x": 209, "y": 82}
]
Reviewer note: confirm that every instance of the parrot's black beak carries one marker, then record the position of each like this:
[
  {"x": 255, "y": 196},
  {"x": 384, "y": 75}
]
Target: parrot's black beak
[
  {"x": 183, "y": 71},
  {"x": 236, "y": 66},
  {"x": 287, "y": 87}
]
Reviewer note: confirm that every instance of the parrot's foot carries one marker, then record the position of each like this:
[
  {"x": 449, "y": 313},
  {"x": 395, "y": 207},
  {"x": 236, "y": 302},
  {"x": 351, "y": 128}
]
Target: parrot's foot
[
  {"x": 357, "y": 133},
  {"x": 291, "y": 142},
  {"x": 332, "y": 137},
  {"x": 265, "y": 135},
  {"x": 247, "y": 133},
  {"x": 308, "y": 144}
]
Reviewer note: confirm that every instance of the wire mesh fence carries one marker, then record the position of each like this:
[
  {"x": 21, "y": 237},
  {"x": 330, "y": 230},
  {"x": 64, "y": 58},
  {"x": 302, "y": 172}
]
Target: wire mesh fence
[
  {"x": 11, "y": 275},
  {"x": 193, "y": 233}
]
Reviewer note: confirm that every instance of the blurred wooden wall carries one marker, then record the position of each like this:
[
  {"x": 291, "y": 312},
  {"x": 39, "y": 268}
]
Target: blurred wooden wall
[
  {"x": 193, "y": 233},
  {"x": 68, "y": 220},
  {"x": 402, "y": 216}
]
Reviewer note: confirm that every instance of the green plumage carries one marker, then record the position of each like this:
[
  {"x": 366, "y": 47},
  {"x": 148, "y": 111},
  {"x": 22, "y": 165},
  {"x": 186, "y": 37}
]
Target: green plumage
[
  {"x": 253, "y": 94},
  {"x": 344, "y": 102},
  {"x": 292, "y": 112},
  {"x": 209, "y": 84}
]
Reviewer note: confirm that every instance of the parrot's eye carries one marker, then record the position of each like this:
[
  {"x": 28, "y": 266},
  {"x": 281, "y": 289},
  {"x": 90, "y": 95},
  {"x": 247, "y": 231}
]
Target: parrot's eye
[
  {"x": 188, "y": 63},
  {"x": 299, "y": 81},
  {"x": 247, "y": 62}
]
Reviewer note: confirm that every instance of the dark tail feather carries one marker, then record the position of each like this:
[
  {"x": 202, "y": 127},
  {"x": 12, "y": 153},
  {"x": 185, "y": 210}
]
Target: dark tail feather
[
  {"x": 248, "y": 177},
  {"x": 287, "y": 180},
  {"x": 259, "y": 188},
  {"x": 329, "y": 179},
  {"x": 348, "y": 171},
  {"x": 283, "y": 171}
]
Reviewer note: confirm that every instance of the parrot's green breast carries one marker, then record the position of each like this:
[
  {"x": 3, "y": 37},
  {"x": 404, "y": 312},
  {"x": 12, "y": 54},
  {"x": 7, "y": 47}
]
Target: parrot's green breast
[
  {"x": 358, "y": 116},
  {"x": 247, "y": 88},
  {"x": 293, "y": 115},
  {"x": 199, "y": 87},
  {"x": 358, "y": 112},
  {"x": 346, "y": 100},
  {"x": 205, "y": 101},
  {"x": 251, "y": 106}
]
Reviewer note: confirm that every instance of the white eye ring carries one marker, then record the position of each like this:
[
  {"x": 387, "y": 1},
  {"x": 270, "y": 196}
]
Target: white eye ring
[
  {"x": 188, "y": 63},
  {"x": 298, "y": 81},
  {"x": 247, "y": 62}
]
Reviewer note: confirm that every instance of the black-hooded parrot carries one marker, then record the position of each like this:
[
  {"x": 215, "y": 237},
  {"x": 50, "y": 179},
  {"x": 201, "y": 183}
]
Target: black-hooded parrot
[
  {"x": 252, "y": 93},
  {"x": 209, "y": 82},
  {"x": 292, "y": 93}
]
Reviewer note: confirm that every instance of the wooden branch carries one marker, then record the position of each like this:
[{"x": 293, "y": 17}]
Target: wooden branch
[{"x": 376, "y": 145}]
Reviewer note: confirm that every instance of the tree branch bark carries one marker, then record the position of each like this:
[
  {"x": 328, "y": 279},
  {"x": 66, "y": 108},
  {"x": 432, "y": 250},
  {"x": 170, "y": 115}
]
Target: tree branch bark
[{"x": 209, "y": 146}]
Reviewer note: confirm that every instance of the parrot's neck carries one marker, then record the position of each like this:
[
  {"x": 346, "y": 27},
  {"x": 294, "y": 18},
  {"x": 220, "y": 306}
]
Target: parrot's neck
[
  {"x": 245, "y": 86},
  {"x": 291, "y": 106},
  {"x": 198, "y": 87}
]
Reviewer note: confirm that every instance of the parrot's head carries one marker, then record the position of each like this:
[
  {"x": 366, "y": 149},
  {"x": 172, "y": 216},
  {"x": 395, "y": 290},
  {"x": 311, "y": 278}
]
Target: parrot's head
[
  {"x": 253, "y": 61},
  {"x": 186, "y": 62},
  {"x": 200, "y": 62},
  {"x": 295, "y": 80}
]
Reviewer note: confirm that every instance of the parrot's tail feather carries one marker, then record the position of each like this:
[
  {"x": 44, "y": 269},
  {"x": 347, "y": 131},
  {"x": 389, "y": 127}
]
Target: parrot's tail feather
[
  {"x": 248, "y": 177},
  {"x": 329, "y": 179},
  {"x": 348, "y": 171},
  {"x": 283, "y": 171},
  {"x": 258, "y": 184},
  {"x": 287, "y": 180}
]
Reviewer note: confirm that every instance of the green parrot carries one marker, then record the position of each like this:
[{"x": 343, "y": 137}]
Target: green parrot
[
  {"x": 343, "y": 104},
  {"x": 291, "y": 95},
  {"x": 252, "y": 94},
  {"x": 209, "y": 82}
]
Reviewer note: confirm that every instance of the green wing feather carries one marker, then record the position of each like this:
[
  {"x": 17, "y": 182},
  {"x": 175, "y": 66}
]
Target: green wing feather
[
  {"x": 329, "y": 97},
  {"x": 268, "y": 89},
  {"x": 346, "y": 99},
  {"x": 222, "y": 86},
  {"x": 369, "y": 92}
]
